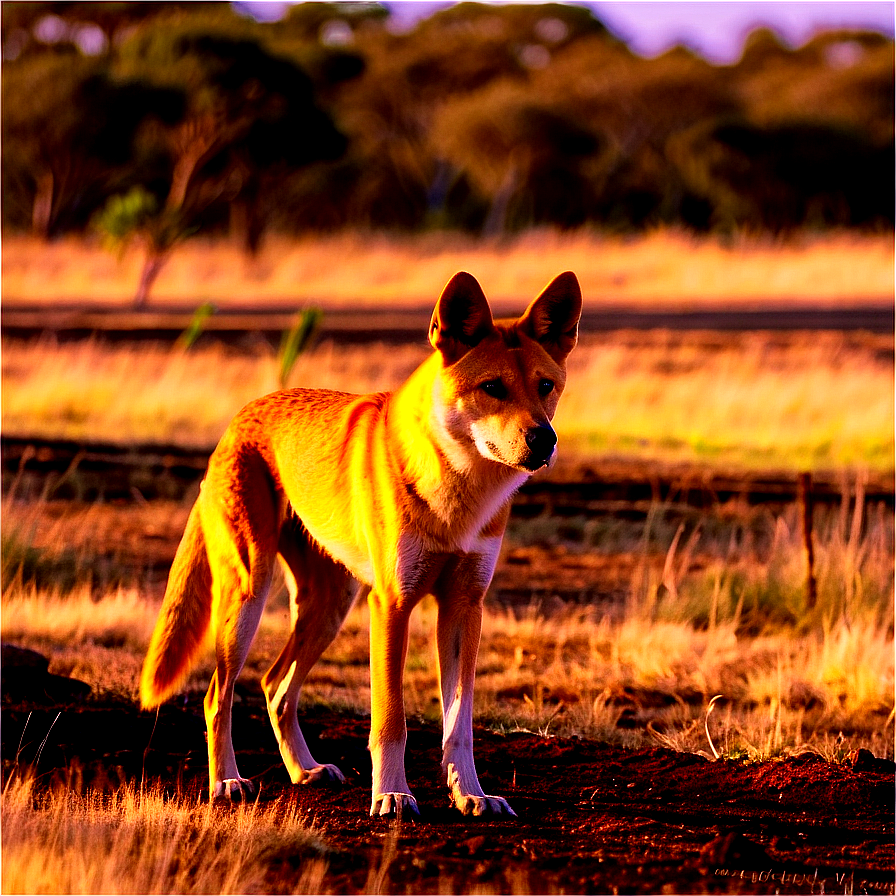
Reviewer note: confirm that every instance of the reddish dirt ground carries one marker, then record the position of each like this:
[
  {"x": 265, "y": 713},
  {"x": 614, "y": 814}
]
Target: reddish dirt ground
[{"x": 592, "y": 818}]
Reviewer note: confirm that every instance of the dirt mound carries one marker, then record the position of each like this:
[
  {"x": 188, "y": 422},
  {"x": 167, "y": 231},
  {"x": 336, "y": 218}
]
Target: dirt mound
[{"x": 592, "y": 817}]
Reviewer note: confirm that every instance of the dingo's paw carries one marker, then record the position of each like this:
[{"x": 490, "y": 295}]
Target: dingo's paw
[
  {"x": 395, "y": 805},
  {"x": 322, "y": 776},
  {"x": 234, "y": 790},
  {"x": 472, "y": 804},
  {"x": 488, "y": 806}
]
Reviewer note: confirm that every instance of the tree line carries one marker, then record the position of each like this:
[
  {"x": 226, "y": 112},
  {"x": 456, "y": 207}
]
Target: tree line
[{"x": 171, "y": 118}]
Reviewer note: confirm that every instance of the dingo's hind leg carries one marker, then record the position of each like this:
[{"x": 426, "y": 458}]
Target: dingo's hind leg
[
  {"x": 239, "y": 521},
  {"x": 237, "y": 626},
  {"x": 321, "y": 593}
]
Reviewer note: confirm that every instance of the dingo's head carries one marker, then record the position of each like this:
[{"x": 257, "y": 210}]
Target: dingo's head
[{"x": 501, "y": 380}]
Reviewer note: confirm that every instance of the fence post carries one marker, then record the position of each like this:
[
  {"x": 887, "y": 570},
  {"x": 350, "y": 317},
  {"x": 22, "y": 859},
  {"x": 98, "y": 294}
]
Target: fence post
[{"x": 804, "y": 496}]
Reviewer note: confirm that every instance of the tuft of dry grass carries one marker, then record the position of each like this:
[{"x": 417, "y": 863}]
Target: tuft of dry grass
[
  {"x": 137, "y": 841},
  {"x": 664, "y": 268},
  {"x": 102, "y": 642},
  {"x": 133, "y": 840}
]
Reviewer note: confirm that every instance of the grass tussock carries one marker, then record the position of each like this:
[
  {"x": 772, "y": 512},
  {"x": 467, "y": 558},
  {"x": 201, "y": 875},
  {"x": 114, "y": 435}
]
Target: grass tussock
[
  {"x": 807, "y": 402},
  {"x": 756, "y": 579},
  {"x": 665, "y": 267},
  {"x": 116, "y": 617},
  {"x": 136, "y": 841},
  {"x": 21, "y": 561}
]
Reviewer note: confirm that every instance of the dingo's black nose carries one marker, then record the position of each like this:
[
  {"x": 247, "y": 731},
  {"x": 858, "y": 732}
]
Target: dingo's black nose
[{"x": 541, "y": 441}]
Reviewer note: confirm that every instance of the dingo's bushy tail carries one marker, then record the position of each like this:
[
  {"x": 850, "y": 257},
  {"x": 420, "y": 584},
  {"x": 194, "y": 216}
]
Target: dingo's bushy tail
[{"x": 183, "y": 619}]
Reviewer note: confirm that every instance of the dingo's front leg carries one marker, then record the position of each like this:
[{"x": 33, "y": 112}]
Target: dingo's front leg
[
  {"x": 459, "y": 625},
  {"x": 388, "y": 731}
]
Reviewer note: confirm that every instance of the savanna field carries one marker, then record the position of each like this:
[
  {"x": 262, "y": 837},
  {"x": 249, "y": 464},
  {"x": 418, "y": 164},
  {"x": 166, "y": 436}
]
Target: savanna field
[
  {"x": 628, "y": 633},
  {"x": 685, "y": 682}
]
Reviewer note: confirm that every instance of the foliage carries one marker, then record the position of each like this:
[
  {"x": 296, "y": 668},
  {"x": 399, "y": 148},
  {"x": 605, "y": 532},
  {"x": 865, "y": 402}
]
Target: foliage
[
  {"x": 69, "y": 135},
  {"x": 510, "y": 147},
  {"x": 245, "y": 111},
  {"x": 297, "y": 340},
  {"x": 126, "y": 213},
  {"x": 188, "y": 338},
  {"x": 481, "y": 117}
]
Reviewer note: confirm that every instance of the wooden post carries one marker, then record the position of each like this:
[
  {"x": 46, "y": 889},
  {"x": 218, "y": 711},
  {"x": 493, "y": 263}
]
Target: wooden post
[{"x": 804, "y": 496}]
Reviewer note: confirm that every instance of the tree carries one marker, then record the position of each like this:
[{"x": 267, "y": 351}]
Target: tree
[
  {"x": 244, "y": 108},
  {"x": 247, "y": 118},
  {"x": 529, "y": 161},
  {"x": 787, "y": 176},
  {"x": 497, "y": 116},
  {"x": 68, "y": 133}
]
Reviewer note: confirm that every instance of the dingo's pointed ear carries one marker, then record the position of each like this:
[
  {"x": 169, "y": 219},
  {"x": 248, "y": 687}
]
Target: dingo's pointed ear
[
  {"x": 553, "y": 318},
  {"x": 462, "y": 318}
]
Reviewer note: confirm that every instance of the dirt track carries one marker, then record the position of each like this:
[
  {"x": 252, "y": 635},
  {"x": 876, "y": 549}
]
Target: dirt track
[
  {"x": 592, "y": 818},
  {"x": 235, "y": 326},
  {"x": 82, "y": 470}
]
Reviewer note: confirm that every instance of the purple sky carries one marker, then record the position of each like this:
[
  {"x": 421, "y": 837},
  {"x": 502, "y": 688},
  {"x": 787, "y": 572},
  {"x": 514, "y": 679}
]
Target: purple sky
[
  {"x": 715, "y": 28},
  {"x": 718, "y": 29}
]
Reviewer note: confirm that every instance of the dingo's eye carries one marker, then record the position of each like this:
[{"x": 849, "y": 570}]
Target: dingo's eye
[
  {"x": 494, "y": 388},
  {"x": 545, "y": 387}
]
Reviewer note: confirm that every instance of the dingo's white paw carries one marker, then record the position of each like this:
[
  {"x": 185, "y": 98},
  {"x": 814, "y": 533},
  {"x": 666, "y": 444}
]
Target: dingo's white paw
[
  {"x": 235, "y": 790},
  {"x": 473, "y": 804},
  {"x": 489, "y": 806},
  {"x": 395, "y": 805},
  {"x": 322, "y": 776}
]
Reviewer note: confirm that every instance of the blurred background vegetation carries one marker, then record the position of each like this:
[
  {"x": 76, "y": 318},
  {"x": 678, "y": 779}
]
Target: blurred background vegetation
[{"x": 154, "y": 121}]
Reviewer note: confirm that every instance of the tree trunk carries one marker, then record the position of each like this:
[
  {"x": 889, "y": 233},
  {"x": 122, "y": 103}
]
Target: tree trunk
[
  {"x": 42, "y": 209},
  {"x": 152, "y": 266}
]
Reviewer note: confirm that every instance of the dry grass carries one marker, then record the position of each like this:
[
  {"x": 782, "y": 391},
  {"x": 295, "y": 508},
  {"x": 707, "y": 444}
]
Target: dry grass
[
  {"x": 133, "y": 840},
  {"x": 128, "y": 393},
  {"x": 814, "y": 401},
  {"x": 155, "y": 393},
  {"x": 757, "y": 400},
  {"x": 724, "y": 615},
  {"x": 136, "y": 841},
  {"x": 566, "y": 673},
  {"x": 664, "y": 268}
]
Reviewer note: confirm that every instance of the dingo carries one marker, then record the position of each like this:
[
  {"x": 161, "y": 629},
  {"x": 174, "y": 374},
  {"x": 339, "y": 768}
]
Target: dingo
[{"x": 407, "y": 494}]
